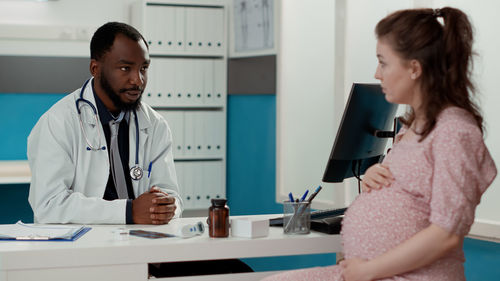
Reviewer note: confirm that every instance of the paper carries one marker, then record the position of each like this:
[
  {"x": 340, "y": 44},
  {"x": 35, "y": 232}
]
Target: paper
[{"x": 21, "y": 231}]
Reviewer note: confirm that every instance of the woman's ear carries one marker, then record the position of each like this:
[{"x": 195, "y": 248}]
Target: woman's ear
[{"x": 415, "y": 69}]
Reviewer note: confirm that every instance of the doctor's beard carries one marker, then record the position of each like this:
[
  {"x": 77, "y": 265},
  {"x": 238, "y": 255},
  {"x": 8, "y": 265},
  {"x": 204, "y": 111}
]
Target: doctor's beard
[{"x": 115, "y": 97}]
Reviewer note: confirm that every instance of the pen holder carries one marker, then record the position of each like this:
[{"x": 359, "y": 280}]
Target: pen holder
[{"x": 296, "y": 217}]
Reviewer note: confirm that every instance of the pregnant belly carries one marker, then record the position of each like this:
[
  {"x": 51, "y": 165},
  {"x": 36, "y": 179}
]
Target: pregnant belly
[{"x": 380, "y": 220}]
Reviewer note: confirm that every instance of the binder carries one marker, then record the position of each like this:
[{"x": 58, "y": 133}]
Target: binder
[
  {"x": 219, "y": 83},
  {"x": 188, "y": 70},
  {"x": 175, "y": 120},
  {"x": 199, "y": 30},
  {"x": 167, "y": 25},
  {"x": 168, "y": 82},
  {"x": 180, "y": 168},
  {"x": 190, "y": 30},
  {"x": 178, "y": 70},
  {"x": 151, "y": 29},
  {"x": 29, "y": 232},
  {"x": 149, "y": 92},
  {"x": 199, "y": 132},
  {"x": 199, "y": 185},
  {"x": 189, "y": 133},
  {"x": 189, "y": 182},
  {"x": 220, "y": 128},
  {"x": 159, "y": 83},
  {"x": 197, "y": 81},
  {"x": 180, "y": 14},
  {"x": 208, "y": 19},
  {"x": 208, "y": 81},
  {"x": 218, "y": 31}
]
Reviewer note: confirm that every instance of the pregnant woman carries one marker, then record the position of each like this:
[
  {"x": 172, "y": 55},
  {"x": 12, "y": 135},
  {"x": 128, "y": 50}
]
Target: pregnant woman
[{"x": 418, "y": 205}]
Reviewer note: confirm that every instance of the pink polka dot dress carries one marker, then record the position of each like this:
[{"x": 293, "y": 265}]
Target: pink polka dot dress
[{"x": 439, "y": 180}]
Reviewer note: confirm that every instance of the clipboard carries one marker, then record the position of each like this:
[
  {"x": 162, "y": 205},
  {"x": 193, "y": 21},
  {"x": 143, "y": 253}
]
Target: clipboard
[{"x": 30, "y": 232}]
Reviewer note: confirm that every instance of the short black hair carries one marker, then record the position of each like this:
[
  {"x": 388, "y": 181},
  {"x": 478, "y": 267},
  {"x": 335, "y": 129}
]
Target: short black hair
[{"x": 105, "y": 36}]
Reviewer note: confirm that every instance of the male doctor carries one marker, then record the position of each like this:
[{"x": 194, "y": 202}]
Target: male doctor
[{"x": 99, "y": 155}]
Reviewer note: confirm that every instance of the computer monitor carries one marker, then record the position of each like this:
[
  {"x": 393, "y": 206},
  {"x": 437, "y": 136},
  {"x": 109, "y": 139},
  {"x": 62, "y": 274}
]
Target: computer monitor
[{"x": 367, "y": 122}]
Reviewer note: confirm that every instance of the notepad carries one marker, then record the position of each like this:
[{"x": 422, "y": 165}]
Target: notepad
[{"x": 30, "y": 232}]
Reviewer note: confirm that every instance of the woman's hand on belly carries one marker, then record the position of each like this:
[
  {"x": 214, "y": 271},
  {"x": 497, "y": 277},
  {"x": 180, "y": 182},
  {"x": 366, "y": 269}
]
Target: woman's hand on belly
[
  {"x": 356, "y": 269},
  {"x": 376, "y": 177}
]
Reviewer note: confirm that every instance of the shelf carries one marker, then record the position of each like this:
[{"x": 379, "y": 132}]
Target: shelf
[
  {"x": 17, "y": 171},
  {"x": 189, "y": 107},
  {"x": 198, "y": 158}
]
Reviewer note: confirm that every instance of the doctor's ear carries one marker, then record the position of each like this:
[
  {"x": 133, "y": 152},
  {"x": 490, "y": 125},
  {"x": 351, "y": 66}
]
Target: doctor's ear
[{"x": 94, "y": 67}]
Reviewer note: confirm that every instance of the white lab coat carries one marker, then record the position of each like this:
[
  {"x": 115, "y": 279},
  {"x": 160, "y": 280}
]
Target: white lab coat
[{"x": 68, "y": 181}]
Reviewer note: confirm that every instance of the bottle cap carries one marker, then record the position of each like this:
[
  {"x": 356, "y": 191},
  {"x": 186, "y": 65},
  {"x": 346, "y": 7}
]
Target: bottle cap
[{"x": 219, "y": 202}]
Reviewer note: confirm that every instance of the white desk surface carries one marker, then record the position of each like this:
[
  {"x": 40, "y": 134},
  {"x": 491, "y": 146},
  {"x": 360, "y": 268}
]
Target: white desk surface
[{"x": 100, "y": 248}]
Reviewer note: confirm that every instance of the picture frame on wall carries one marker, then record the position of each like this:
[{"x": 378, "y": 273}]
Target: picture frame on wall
[{"x": 253, "y": 28}]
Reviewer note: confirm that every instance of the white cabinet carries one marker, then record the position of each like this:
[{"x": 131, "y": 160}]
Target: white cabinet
[{"x": 187, "y": 86}]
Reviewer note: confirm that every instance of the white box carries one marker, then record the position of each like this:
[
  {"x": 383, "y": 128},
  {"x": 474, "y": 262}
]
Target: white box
[{"x": 249, "y": 227}]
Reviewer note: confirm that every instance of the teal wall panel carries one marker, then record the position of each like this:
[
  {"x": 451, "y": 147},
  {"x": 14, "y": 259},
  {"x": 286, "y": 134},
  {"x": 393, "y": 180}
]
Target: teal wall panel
[
  {"x": 19, "y": 113},
  {"x": 14, "y": 204}
]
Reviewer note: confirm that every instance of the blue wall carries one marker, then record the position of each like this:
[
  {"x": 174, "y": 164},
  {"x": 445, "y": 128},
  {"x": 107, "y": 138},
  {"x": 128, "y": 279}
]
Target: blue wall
[
  {"x": 19, "y": 113},
  {"x": 251, "y": 174}
]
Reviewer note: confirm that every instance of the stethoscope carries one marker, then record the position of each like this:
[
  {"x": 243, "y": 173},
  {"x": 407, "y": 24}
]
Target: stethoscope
[{"x": 136, "y": 172}]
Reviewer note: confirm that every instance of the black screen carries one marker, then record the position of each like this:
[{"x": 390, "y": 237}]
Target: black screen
[{"x": 356, "y": 147}]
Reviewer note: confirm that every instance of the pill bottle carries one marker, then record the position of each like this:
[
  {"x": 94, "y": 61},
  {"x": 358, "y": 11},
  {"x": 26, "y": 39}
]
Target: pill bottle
[{"x": 218, "y": 218}]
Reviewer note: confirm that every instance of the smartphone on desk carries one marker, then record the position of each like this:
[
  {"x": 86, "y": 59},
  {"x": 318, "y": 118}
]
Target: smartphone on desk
[{"x": 149, "y": 234}]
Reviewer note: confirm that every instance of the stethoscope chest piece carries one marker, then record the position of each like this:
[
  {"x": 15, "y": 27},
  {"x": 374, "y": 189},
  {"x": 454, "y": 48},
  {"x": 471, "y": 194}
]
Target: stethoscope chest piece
[{"x": 136, "y": 173}]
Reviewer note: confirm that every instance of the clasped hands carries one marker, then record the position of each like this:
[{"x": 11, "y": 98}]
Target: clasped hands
[{"x": 153, "y": 207}]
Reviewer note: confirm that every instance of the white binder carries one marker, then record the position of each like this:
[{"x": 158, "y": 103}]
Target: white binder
[
  {"x": 189, "y": 93},
  {"x": 151, "y": 28},
  {"x": 179, "y": 169},
  {"x": 168, "y": 27},
  {"x": 213, "y": 176},
  {"x": 168, "y": 82},
  {"x": 220, "y": 137},
  {"x": 180, "y": 14},
  {"x": 179, "y": 92},
  {"x": 175, "y": 119},
  {"x": 189, "y": 133},
  {"x": 218, "y": 33},
  {"x": 219, "y": 82},
  {"x": 197, "y": 82},
  {"x": 148, "y": 94},
  {"x": 159, "y": 83},
  {"x": 199, "y": 132},
  {"x": 199, "y": 186},
  {"x": 208, "y": 81},
  {"x": 209, "y": 133},
  {"x": 190, "y": 30}
]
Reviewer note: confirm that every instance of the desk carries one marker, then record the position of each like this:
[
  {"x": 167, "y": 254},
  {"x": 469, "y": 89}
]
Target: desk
[{"x": 98, "y": 255}]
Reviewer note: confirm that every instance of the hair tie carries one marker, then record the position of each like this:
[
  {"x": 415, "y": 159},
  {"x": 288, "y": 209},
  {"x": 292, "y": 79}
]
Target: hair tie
[{"x": 437, "y": 13}]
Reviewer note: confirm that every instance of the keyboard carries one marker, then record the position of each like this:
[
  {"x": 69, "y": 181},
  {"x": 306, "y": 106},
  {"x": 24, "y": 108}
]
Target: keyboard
[{"x": 315, "y": 215}]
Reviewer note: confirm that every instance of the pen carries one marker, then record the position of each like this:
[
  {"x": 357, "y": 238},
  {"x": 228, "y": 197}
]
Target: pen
[
  {"x": 304, "y": 196},
  {"x": 314, "y": 194},
  {"x": 149, "y": 169},
  {"x": 290, "y": 196}
]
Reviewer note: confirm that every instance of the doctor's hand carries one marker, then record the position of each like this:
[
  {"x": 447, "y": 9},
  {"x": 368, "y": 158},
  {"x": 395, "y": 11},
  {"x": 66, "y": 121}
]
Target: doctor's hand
[
  {"x": 153, "y": 207},
  {"x": 376, "y": 177}
]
